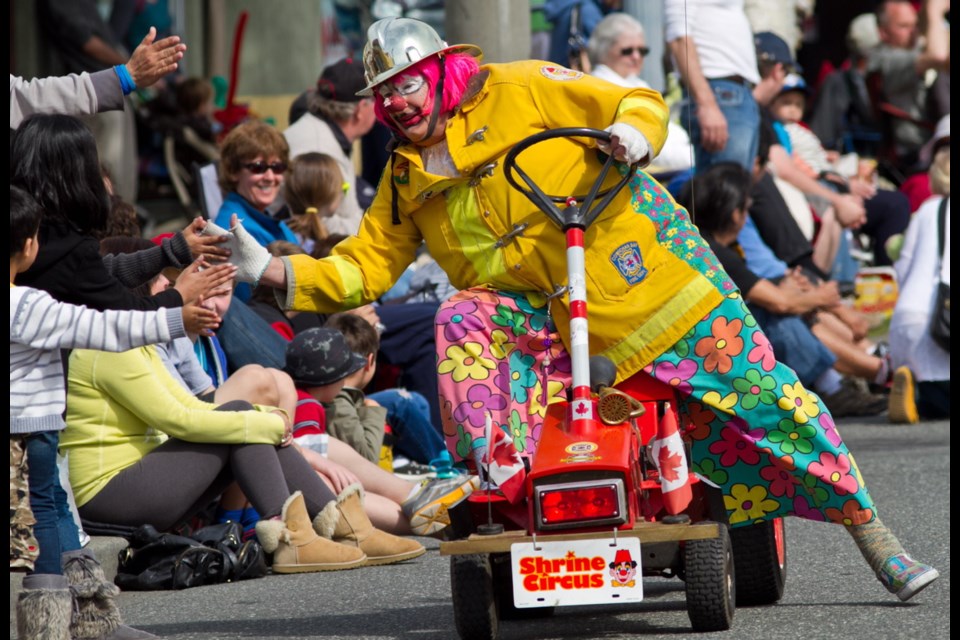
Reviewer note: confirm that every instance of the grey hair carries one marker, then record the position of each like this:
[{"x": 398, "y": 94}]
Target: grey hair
[
  {"x": 607, "y": 31},
  {"x": 332, "y": 109}
]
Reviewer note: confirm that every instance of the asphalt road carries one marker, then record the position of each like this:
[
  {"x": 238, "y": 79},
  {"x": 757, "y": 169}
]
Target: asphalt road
[{"x": 830, "y": 592}]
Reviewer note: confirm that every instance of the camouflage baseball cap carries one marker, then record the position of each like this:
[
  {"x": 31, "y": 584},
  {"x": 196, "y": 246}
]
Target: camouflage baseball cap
[{"x": 320, "y": 356}]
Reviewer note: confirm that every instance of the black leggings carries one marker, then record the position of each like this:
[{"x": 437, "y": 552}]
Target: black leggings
[{"x": 178, "y": 479}]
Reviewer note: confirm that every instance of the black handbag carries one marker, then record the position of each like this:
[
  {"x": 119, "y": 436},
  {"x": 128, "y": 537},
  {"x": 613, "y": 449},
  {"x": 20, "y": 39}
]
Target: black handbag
[
  {"x": 940, "y": 320},
  {"x": 211, "y": 555}
]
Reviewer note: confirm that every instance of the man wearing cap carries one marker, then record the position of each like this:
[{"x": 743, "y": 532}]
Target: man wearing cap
[
  {"x": 711, "y": 45},
  {"x": 774, "y": 63},
  {"x": 880, "y": 214},
  {"x": 336, "y": 117}
]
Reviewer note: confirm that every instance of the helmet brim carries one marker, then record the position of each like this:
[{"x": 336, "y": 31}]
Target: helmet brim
[{"x": 469, "y": 49}]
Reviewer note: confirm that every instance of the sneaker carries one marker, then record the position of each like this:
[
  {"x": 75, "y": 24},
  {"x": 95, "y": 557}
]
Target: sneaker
[
  {"x": 854, "y": 400},
  {"x": 902, "y": 408},
  {"x": 428, "y": 509},
  {"x": 443, "y": 464},
  {"x": 410, "y": 470},
  {"x": 905, "y": 577}
]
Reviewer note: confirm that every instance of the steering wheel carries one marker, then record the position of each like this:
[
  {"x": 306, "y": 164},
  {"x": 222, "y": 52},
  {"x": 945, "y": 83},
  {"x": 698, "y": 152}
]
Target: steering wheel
[{"x": 579, "y": 216}]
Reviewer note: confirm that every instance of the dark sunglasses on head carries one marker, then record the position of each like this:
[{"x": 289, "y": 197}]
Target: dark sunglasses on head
[
  {"x": 261, "y": 167},
  {"x": 627, "y": 51}
]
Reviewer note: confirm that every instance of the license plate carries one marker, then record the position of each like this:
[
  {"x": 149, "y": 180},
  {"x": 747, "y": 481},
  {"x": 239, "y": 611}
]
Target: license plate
[{"x": 575, "y": 572}]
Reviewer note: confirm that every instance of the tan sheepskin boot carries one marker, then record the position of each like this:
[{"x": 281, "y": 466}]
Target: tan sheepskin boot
[
  {"x": 297, "y": 548},
  {"x": 346, "y": 522}
]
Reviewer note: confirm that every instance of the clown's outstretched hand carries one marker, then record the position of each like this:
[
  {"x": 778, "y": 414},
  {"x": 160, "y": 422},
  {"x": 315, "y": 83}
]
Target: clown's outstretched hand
[{"x": 250, "y": 257}]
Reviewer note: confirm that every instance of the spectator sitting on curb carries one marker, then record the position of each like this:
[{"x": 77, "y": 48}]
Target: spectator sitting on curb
[{"x": 319, "y": 361}]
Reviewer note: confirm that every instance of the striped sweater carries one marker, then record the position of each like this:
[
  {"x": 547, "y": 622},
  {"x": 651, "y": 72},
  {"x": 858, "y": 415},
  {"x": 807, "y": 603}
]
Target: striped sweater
[{"x": 40, "y": 326}]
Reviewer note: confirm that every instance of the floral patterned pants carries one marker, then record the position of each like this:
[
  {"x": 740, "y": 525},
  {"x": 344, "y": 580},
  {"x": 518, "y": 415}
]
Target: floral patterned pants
[{"x": 756, "y": 432}]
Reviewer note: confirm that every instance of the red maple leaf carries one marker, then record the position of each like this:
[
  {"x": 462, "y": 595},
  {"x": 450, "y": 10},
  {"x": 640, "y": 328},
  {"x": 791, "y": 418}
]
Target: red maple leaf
[
  {"x": 504, "y": 454},
  {"x": 669, "y": 463}
]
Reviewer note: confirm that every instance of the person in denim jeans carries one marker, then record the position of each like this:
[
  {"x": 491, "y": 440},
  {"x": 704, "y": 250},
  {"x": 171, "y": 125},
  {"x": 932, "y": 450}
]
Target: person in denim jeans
[
  {"x": 712, "y": 46},
  {"x": 408, "y": 413}
]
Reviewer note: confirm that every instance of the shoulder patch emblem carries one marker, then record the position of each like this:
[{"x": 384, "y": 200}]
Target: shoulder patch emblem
[
  {"x": 560, "y": 73},
  {"x": 401, "y": 172},
  {"x": 626, "y": 258}
]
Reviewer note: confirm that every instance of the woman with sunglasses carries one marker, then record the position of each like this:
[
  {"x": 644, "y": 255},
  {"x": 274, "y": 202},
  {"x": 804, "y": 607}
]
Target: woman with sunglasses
[
  {"x": 618, "y": 48},
  {"x": 253, "y": 159}
]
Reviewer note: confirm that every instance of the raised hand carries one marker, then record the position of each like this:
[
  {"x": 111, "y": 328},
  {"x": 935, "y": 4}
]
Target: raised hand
[
  {"x": 200, "y": 279},
  {"x": 205, "y": 245},
  {"x": 199, "y": 320},
  {"x": 153, "y": 60}
]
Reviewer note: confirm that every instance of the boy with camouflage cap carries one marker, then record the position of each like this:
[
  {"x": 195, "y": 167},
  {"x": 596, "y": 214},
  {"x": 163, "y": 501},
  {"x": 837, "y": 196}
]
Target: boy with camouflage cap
[{"x": 319, "y": 360}]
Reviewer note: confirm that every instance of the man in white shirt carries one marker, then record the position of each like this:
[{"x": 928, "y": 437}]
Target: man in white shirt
[{"x": 712, "y": 47}]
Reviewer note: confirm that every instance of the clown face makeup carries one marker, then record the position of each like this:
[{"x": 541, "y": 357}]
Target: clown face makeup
[{"x": 408, "y": 100}]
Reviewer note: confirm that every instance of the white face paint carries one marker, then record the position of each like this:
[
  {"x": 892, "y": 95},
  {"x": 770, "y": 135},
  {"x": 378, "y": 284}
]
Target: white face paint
[
  {"x": 403, "y": 85},
  {"x": 408, "y": 101}
]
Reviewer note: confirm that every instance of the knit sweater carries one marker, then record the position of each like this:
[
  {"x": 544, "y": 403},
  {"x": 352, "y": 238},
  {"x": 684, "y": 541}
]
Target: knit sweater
[
  {"x": 69, "y": 267},
  {"x": 40, "y": 326}
]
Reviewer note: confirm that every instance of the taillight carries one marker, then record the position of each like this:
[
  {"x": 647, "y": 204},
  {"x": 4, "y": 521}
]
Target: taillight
[{"x": 580, "y": 504}]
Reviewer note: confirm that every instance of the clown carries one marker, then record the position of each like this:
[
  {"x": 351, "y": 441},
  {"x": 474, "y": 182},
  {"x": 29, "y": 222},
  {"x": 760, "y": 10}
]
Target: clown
[
  {"x": 623, "y": 569},
  {"x": 659, "y": 302}
]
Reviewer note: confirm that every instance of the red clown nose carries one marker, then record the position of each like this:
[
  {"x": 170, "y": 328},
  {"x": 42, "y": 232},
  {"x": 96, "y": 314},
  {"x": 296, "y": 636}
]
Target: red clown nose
[{"x": 395, "y": 103}]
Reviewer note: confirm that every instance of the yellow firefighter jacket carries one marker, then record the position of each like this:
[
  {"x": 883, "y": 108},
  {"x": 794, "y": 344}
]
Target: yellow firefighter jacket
[{"x": 482, "y": 232}]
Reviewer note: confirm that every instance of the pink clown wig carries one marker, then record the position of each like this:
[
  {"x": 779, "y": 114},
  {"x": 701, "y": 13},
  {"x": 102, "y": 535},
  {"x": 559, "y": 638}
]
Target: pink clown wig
[{"x": 458, "y": 69}]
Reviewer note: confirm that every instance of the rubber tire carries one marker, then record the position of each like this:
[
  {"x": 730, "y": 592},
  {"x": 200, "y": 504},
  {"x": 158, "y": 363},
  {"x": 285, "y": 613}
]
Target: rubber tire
[
  {"x": 760, "y": 576},
  {"x": 474, "y": 604},
  {"x": 711, "y": 583},
  {"x": 503, "y": 592}
]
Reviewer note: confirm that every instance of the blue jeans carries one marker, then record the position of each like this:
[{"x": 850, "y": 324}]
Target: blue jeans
[
  {"x": 743, "y": 126},
  {"x": 55, "y": 530},
  {"x": 246, "y": 338},
  {"x": 409, "y": 415},
  {"x": 795, "y": 345}
]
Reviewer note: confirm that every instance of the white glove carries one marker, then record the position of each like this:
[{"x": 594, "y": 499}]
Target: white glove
[
  {"x": 628, "y": 144},
  {"x": 250, "y": 257}
]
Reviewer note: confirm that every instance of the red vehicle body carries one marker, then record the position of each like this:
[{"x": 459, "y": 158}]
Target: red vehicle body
[{"x": 594, "y": 496}]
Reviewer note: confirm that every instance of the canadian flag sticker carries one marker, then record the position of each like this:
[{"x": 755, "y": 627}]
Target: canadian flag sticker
[{"x": 581, "y": 410}]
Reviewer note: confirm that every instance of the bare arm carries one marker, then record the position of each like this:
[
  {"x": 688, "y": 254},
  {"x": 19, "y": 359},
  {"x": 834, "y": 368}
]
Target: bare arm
[
  {"x": 936, "y": 50},
  {"x": 849, "y": 208},
  {"x": 783, "y": 301},
  {"x": 713, "y": 124}
]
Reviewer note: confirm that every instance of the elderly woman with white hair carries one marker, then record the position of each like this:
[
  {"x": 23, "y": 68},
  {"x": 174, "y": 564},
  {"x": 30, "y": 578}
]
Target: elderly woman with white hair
[{"x": 618, "y": 49}]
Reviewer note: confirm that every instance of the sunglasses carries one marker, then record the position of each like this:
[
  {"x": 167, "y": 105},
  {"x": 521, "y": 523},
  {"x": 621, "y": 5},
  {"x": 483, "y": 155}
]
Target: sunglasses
[
  {"x": 628, "y": 51},
  {"x": 261, "y": 167}
]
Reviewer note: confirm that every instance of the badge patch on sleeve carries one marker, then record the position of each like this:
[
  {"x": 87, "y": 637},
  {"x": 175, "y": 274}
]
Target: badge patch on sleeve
[
  {"x": 626, "y": 258},
  {"x": 401, "y": 172},
  {"x": 560, "y": 73}
]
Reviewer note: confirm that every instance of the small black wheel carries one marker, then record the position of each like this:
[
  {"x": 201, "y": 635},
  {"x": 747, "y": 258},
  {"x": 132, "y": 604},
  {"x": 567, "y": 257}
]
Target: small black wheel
[
  {"x": 474, "y": 604},
  {"x": 760, "y": 557},
  {"x": 503, "y": 592},
  {"x": 711, "y": 588}
]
